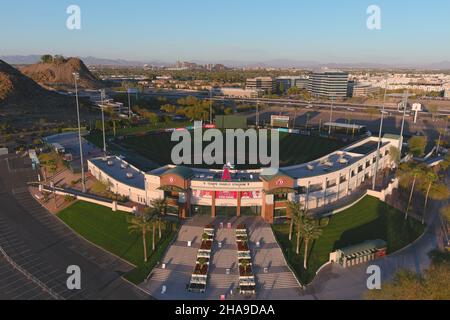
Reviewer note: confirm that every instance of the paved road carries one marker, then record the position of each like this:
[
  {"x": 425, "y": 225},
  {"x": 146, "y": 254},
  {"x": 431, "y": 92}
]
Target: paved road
[{"x": 44, "y": 247}]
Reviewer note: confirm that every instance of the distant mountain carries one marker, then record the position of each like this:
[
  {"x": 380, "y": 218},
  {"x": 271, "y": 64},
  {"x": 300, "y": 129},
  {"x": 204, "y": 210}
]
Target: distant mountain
[
  {"x": 59, "y": 72},
  {"x": 274, "y": 63}
]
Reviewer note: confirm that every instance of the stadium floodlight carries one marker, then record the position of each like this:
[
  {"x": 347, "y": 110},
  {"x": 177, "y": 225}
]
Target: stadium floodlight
[
  {"x": 374, "y": 181},
  {"x": 102, "y": 98},
  {"x": 76, "y": 76}
]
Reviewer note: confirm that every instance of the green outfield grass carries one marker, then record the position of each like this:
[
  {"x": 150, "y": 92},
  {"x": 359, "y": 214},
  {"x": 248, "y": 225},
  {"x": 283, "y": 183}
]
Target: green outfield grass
[
  {"x": 109, "y": 230},
  {"x": 369, "y": 219},
  {"x": 294, "y": 149}
]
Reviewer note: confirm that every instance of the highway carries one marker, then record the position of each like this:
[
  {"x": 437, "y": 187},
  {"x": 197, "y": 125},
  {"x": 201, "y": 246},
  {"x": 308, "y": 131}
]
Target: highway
[{"x": 280, "y": 102}]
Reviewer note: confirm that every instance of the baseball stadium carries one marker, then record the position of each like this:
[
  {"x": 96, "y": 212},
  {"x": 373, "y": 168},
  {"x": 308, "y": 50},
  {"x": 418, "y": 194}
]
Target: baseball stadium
[{"x": 315, "y": 171}]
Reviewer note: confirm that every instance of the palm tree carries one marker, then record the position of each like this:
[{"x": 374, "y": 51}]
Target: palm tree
[
  {"x": 159, "y": 207},
  {"x": 311, "y": 231},
  {"x": 430, "y": 177},
  {"x": 294, "y": 208},
  {"x": 299, "y": 218},
  {"x": 142, "y": 224},
  {"x": 407, "y": 172}
]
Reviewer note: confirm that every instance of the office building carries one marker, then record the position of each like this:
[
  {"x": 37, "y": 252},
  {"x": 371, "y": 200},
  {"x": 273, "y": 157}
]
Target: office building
[
  {"x": 261, "y": 83},
  {"x": 329, "y": 85}
]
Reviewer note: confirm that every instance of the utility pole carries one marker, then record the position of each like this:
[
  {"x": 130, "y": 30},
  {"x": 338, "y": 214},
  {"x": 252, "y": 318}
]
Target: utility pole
[
  {"x": 379, "y": 140},
  {"x": 102, "y": 97},
  {"x": 83, "y": 181},
  {"x": 400, "y": 145}
]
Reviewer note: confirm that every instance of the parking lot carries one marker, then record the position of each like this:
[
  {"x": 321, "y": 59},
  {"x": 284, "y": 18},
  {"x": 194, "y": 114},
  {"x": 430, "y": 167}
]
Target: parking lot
[{"x": 44, "y": 247}]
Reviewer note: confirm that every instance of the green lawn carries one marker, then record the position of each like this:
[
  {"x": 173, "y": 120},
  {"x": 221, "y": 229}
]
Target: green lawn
[
  {"x": 369, "y": 219},
  {"x": 294, "y": 149},
  {"x": 109, "y": 230}
]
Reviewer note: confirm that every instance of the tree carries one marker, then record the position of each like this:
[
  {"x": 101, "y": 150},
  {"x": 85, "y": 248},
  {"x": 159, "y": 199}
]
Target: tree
[
  {"x": 294, "y": 210},
  {"x": 169, "y": 108},
  {"x": 142, "y": 224},
  {"x": 228, "y": 111},
  {"x": 434, "y": 109},
  {"x": 409, "y": 172},
  {"x": 429, "y": 177},
  {"x": 445, "y": 212},
  {"x": 245, "y": 264},
  {"x": 298, "y": 218},
  {"x": 311, "y": 231},
  {"x": 46, "y": 58},
  {"x": 394, "y": 155},
  {"x": 417, "y": 146},
  {"x": 434, "y": 284},
  {"x": 159, "y": 207}
]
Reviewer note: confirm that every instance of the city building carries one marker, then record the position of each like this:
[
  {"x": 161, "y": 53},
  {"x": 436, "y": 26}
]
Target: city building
[
  {"x": 261, "y": 192},
  {"x": 110, "y": 105},
  {"x": 361, "y": 90},
  {"x": 329, "y": 85},
  {"x": 292, "y": 81},
  {"x": 261, "y": 83},
  {"x": 238, "y": 92},
  {"x": 447, "y": 91}
]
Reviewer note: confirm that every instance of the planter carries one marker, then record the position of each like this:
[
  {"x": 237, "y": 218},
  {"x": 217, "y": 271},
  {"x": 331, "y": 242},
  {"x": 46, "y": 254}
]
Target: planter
[{"x": 206, "y": 245}]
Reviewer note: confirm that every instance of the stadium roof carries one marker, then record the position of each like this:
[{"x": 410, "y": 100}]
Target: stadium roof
[{"x": 183, "y": 172}]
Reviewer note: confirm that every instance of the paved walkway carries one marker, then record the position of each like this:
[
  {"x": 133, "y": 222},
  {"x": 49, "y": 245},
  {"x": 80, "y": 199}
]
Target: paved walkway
[{"x": 279, "y": 283}]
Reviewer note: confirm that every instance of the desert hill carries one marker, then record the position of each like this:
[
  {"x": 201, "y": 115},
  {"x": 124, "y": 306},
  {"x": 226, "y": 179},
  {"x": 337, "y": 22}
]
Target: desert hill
[{"x": 57, "y": 72}]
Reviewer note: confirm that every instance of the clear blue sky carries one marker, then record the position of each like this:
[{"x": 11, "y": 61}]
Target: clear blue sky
[{"x": 247, "y": 30}]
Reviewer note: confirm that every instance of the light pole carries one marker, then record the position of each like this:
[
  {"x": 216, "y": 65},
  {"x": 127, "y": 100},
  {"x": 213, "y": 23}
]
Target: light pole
[
  {"x": 210, "y": 106},
  {"x": 331, "y": 115},
  {"x": 374, "y": 181},
  {"x": 102, "y": 97},
  {"x": 257, "y": 113},
  {"x": 83, "y": 182},
  {"x": 400, "y": 145},
  {"x": 129, "y": 103}
]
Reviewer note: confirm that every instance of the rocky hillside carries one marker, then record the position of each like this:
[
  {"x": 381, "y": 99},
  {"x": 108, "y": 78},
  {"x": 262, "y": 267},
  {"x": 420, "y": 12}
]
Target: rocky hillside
[
  {"x": 15, "y": 86},
  {"x": 58, "y": 73},
  {"x": 23, "y": 102}
]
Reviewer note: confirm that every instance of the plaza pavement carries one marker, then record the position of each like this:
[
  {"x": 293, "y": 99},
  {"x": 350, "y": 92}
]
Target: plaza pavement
[{"x": 278, "y": 284}]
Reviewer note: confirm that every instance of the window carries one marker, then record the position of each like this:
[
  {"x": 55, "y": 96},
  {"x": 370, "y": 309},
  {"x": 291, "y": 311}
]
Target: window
[
  {"x": 368, "y": 164},
  {"x": 331, "y": 183},
  {"x": 343, "y": 179},
  {"x": 302, "y": 190},
  {"x": 360, "y": 169},
  {"x": 315, "y": 187},
  {"x": 386, "y": 153}
]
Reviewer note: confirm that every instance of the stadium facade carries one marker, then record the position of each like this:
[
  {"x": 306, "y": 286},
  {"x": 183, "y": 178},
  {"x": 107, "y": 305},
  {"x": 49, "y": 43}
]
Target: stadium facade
[{"x": 261, "y": 192}]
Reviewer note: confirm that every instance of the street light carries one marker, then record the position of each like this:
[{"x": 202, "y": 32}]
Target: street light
[
  {"x": 129, "y": 103},
  {"x": 76, "y": 76},
  {"x": 210, "y": 106},
  {"x": 102, "y": 97},
  {"x": 400, "y": 145},
  {"x": 331, "y": 115},
  {"x": 374, "y": 181}
]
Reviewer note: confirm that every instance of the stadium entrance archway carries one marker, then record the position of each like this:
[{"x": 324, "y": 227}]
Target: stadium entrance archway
[{"x": 226, "y": 211}]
